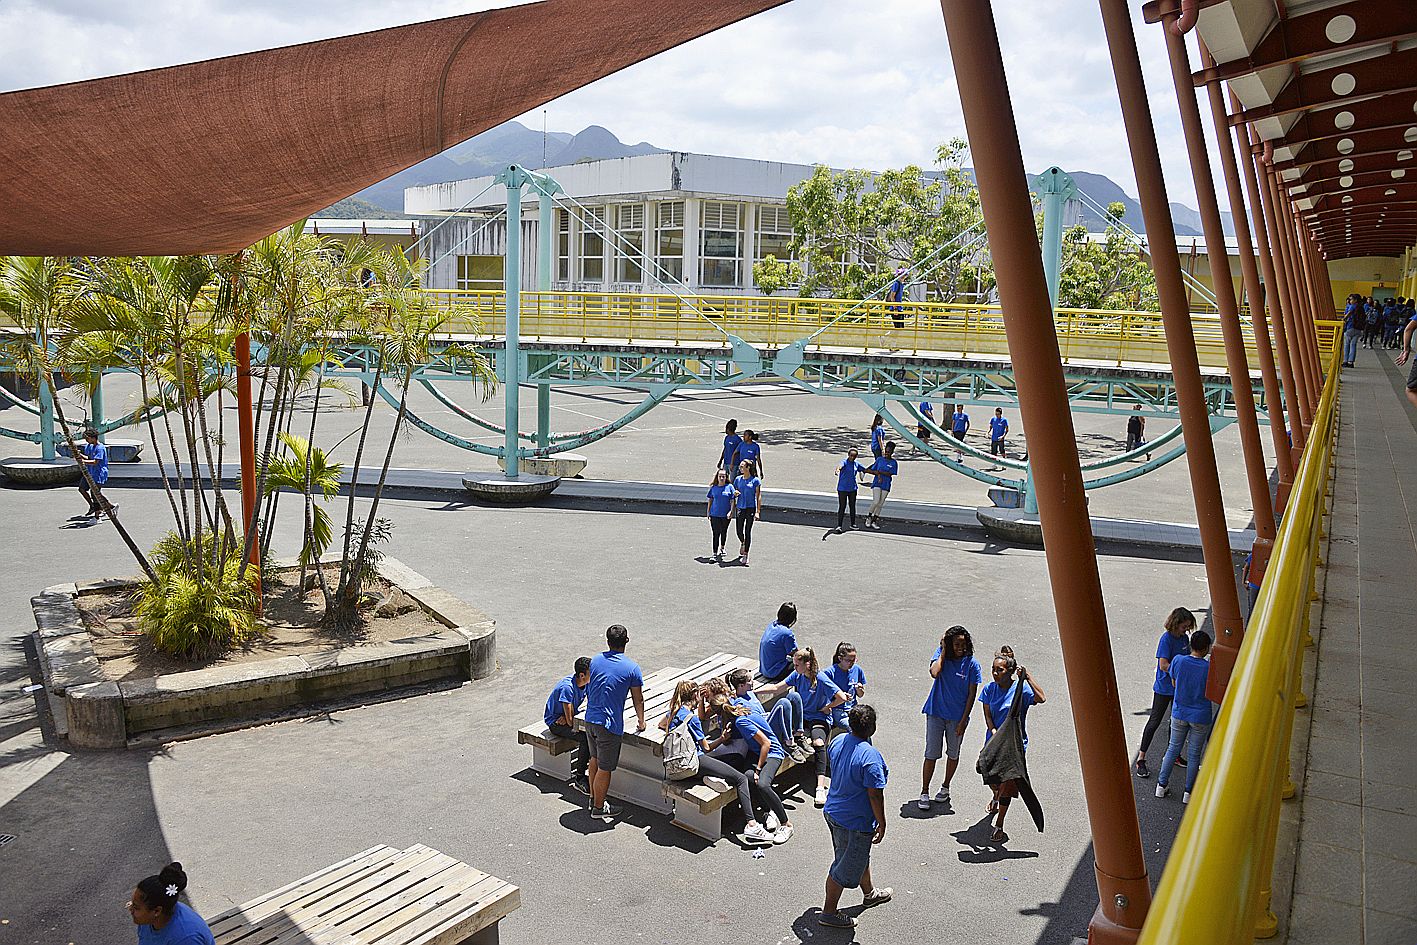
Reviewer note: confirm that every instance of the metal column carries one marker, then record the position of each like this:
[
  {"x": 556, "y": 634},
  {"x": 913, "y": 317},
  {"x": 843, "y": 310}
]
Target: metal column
[
  {"x": 513, "y": 178},
  {"x": 96, "y": 406},
  {"x": 1301, "y": 421},
  {"x": 48, "y": 451},
  {"x": 1067, "y": 532},
  {"x": 1055, "y": 188}
]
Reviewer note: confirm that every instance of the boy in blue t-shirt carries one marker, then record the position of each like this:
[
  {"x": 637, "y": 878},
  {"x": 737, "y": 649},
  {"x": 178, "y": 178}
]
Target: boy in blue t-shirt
[
  {"x": 728, "y": 459},
  {"x": 1191, "y": 714},
  {"x": 998, "y": 429},
  {"x": 560, "y": 717},
  {"x": 856, "y": 816},
  {"x": 94, "y": 455},
  {"x": 884, "y": 469},
  {"x": 613, "y": 676}
]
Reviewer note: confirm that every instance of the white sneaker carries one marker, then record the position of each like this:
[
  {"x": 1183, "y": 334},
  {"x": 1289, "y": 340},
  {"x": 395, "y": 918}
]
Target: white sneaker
[
  {"x": 718, "y": 784},
  {"x": 783, "y": 835},
  {"x": 1186, "y": 798},
  {"x": 924, "y": 802},
  {"x": 756, "y": 833},
  {"x": 772, "y": 822},
  {"x": 821, "y": 800},
  {"x": 943, "y": 795},
  {"x": 1162, "y": 790}
]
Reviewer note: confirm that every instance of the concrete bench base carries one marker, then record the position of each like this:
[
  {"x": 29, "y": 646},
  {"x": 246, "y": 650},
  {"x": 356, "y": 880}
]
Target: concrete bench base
[
  {"x": 698, "y": 808},
  {"x": 550, "y": 754}
]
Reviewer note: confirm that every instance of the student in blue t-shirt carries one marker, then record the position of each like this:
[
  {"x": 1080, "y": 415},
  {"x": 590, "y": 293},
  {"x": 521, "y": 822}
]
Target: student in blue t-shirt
[
  {"x": 748, "y": 506},
  {"x": 998, "y": 700},
  {"x": 819, "y": 697},
  {"x": 927, "y": 417},
  {"x": 728, "y": 459},
  {"x": 720, "y": 506},
  {"x": 93, "y": 455},
  {"x": 161, "y": 918},
  {"x": 613, "y": 676},
  {"x": 959, "y": 422},
  {"x": 751, "y": 451},
  {"x": 855, "y": 812},
  {"x": 1174, "y": 642},
  {"x": 998, "y": 429},
  {"x": 848, "y": 676},
  {"x": 560, "y": 717},
  {"x": 878, "y": 435},
  {"x": 884, "y": 468},
  {"x": 957, "y": 675},
  {"x": 846, "y": 485},
  {"x": 785, "y": 719},
  {"x": 777, "y": 644},
  {"x": 765, "y": 757},
  {"x": 1190, "y": 715}
]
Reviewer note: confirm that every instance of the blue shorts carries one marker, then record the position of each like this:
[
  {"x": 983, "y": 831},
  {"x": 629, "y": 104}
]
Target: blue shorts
[{"x": 851, "y": 851}]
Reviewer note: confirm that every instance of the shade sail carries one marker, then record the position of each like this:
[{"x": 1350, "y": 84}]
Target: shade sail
[{"x": 213, "y": 156}]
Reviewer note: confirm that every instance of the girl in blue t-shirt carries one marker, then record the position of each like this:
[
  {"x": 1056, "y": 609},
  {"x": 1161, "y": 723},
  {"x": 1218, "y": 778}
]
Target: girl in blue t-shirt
[
  {"x": 849, "y": 678},
  {"x": 720, "y": 504},
  {"x": 765, "y": 757},
  {"x": 161, "y": 919},
  {"x": 748, "y": 505},
  {"x": 998, "y": 699},
  {"x": 1173, "y": 643},
  {"x": 878, "y": 436},
  {"x": 956, "y": 676},
  {"x": 819, "y": 697}
]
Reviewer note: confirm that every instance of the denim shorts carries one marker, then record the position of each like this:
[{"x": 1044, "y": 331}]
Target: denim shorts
[
  {"x": 941, "y": 738},
  {"x": 604, "y": 746},
  {"x": 851, "y": 850}
]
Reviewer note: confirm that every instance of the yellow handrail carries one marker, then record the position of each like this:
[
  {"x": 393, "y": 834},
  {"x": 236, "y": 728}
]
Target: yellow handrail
[{"x": 1216, "y": 886}]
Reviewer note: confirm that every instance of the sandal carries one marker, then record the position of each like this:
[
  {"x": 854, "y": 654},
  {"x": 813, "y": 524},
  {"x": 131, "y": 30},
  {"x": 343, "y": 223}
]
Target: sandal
[{"x": 998, "y": 836}]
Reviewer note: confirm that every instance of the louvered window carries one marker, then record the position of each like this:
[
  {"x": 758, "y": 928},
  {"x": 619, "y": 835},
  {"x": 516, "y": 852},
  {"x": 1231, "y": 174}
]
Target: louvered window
[
  {"x": 721, "y": 249},
  {"x": 774, "y": 236},
  {"x": 592, "y": 244},
  {"x": 629, "y": 242},
  {"x": 669, "y": 242}
]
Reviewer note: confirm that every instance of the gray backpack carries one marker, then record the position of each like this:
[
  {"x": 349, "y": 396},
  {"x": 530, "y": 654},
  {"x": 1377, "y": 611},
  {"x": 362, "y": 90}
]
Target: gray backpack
[{"x": 681, "y": 755}]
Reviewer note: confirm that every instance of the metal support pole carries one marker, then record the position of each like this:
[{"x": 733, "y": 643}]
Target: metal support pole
[
  {"x": 543, "y": 416},
  {"x": 96, "y": 406},
  {"x": 1300, "y": 429},
  {"x": 513, "y": 178},
  {"x": 246, "y": 437},
  {"x": 1176, "y": 320},
  {"x": 48, "y": 451},
  {"x": 1236, "y": 361},
  {"x": 1305, "y": 306},
  {"x": 1067, "y": 532},
  {"x": 545, "y": 242},
  {"x": 1054, "y": 188}
]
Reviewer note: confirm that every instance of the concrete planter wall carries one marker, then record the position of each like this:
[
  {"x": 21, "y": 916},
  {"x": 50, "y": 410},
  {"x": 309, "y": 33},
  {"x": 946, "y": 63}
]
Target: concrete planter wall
[{"x": 94, "y": 711}]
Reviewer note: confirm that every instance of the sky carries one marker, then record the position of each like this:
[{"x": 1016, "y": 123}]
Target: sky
[{"x": 848, "y": 83}]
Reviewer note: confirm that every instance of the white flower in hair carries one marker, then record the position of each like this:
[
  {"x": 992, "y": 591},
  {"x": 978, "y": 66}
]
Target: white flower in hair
[{"x": 171, "y": 890}]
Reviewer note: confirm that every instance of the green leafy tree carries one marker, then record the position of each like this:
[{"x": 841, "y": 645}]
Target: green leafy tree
[
  {"x": 1111, "y": 275},
  {"x": 771, "y": 274}
]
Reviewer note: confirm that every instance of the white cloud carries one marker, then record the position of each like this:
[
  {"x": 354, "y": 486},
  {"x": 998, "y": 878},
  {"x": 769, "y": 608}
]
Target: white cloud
[{"x": 864, "y": 83}]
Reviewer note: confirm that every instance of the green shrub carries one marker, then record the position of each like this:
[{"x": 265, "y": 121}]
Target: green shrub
[{"x": 194, "y": 618}]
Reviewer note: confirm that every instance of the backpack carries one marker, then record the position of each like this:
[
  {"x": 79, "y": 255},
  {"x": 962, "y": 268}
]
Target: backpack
[{"x": 681, "y": 755}]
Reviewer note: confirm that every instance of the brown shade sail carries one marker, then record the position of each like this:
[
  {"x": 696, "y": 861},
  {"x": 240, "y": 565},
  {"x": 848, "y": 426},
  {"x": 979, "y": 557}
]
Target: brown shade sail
[{"x": 211, "y": 157}]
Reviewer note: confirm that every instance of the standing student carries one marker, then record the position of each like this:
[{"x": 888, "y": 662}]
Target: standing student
[
  {"x": 748, "y": 500},
  {"x": 895, "y": 294},
  {"x": 846, "y": 486},
  {"x": 997, "y": 698},
  {"x": 728, "y": 459},
  {"x": 884, "y": 468},
  {"x": 855, "y": 813},
  {"x": 1136, "y": 429},
  {"x": 957, "y": 675},
  {"x": 720, "y": 505},
  {"x": 819, "y": 697},
  {"x": 922, "y": 429},
  {"x": 613, "y": 675},
  {"x": 765, "y": 755},
  {"x": 959, "y": 422},
  {"x": 878, "y": 435},
  {"x": 998, "y": 429},
  {"x": 1190, "y": 715},
  {"x": 560, "y": 717},
  {"x": 1404, "y": 353},
  {"x": 94, "y": 455},
  {"x": 848, "y": 676},
  {"x": 785, "y": 719},
  {"x": 750, "y": 450},
  {"x": 1174, "y": 642},
  {"x": 161, "y": 918},
  {"x": 1352, "y": 329}
]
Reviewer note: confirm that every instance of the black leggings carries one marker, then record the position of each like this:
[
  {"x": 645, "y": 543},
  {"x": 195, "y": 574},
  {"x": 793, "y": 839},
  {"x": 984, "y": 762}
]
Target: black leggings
[
  {"x": 763, "y": 786},
  {"x": 719, "y": 525},
  {"x": 843, "y": 499},
  {"x": 1159, "y": 705},
  {"x": 745, "y": 528},
  {"x": 820, "y": 730},
  {"x": 711, "y": 767}
]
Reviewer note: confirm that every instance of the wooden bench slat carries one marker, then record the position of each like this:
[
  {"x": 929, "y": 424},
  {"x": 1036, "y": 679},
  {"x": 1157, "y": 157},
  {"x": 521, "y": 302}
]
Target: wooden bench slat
[
  {"x": 372, "y": 917},
  {"x": 358, "y": 913},
  {"x": 449, "y": 926},
  {"x": 542, "y": 737},
  {"x": 425, "y": 911},
  {"x": 243, "y": 918},
  {"x": 328, "y": 874}
]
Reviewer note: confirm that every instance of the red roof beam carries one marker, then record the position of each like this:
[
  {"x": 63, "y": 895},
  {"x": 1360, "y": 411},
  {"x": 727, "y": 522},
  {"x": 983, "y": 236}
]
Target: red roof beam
[
  {"x": 1383, "y": 73},
  {"x": 1352, "y": 118}
]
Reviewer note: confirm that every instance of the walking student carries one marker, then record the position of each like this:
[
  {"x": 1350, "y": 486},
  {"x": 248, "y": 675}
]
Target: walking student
[
  {"x": 1136, "y": 429},
  {"x": 1403, "y": 354},
  {"x": 878, "y": 436},
  {"x": 1352, "y": 329},
  {"x": 751, "y": 451},
  {"x": 1190, "y": 715},
  {"x": 997, "y": 698},
  {"x": 720, "y": 506},
  {"x": 922, "y": 429},
  {"x": 956, "y": 676},
  {"x": 560, "y": 717},
  {"x": 959, "y": 422},
  {"x": 884, "y": 468},
  {"x": 748, "y": 498},
  {"x": 94, "y": 455},
  {"x": 855, "y": 813},
  {"x": 846, "y": 486},
  {"x": 1174, "y": 642},
  {"x": 161, "y": 918},
  {"x": 998, "y": 429},
  {"x": 613, "y": 676},
  {"x": 728, "y": 459}
]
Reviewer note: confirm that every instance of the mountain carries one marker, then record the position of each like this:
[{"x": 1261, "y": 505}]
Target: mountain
[
  {"x": 598, "y": 144},
  {"x": 352, "y": 208},
  {"x": 1103, "y": 191}
]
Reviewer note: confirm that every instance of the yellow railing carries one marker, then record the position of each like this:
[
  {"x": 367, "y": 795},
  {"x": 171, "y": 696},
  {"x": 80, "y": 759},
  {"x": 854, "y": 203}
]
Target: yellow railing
[
  {"x": 1329, "y": 333},
  {"x": 1216, "y": 886}
]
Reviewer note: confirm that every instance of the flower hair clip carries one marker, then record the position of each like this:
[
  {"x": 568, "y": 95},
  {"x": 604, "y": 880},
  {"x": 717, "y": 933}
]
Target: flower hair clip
[{"x": 171, "y": 891}]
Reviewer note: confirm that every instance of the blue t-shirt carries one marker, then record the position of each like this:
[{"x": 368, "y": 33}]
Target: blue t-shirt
[
  {"x": 878, "y": 440},
  {"x": 720, "y": 500},
  {"x": 855, "y": 766},
  {"x": 814, "y": 700},
  {"x": 1189, "y": 673},
  {"x": 696, "y": 727},
  {"x": 775, "y": 650},
  {"x": 747, "y": 726},
  {"x": 98, "y": 470},
  {"x": 184, "y": 928},
  {"x": 846, "y": 681},
  {"x": 612, "y": 676},
  {"x": 731, "y": 442},
  {"x": 747, "y": 491},
  {"x": 927, "y": 410},
  {"x": 1000, "y": 700},
  {"x": 890, "y": 467},
  {"x": 750, "y": 451},
  {"x": 959, "y": 421},
  {"x": 565, "y": 693},
  {"x": 846, "y": 475},
  {"x": 949, "y": 691},
  {"x": 752, "y": 702},
  {"x": 1168, "y": 648},
  {"x": 998, "y": 426}
]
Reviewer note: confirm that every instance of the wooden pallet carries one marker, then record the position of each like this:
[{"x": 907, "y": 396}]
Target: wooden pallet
[{"x": 381, "y": 896}]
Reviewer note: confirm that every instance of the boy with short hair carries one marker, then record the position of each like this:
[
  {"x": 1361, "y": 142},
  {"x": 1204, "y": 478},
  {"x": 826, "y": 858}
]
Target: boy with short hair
[
  {"x": 998, "y": 429},
  {"x": 856, "y": 816},
  {"x": 560, "y": 717},
  {"x": 1191, "y": 714},
  {"x": 94, "y": 455},
  {"x": 613, "y": 676}
]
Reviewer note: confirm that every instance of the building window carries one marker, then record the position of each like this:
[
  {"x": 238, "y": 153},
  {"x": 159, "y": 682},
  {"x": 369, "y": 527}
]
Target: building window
[
  {"x": 630, "y": 244},
  {"x": 774, "y": 233},
  {"x": 563, "y": 246},
  {"x": 480, "y": 273},
  {"x": 669, "y": 241},
  {"x": 593, "y": 245},
  {"x": 721, "y": 251}
]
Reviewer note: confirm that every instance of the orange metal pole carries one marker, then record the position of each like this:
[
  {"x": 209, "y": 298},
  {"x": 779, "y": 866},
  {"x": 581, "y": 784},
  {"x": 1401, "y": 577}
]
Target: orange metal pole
[
  {"x": 246, "y": 434},
  {"x": 1067, "y": 531},
  {"x": 1306, "y": 289},
  {"x": 1294, "y": 309}
]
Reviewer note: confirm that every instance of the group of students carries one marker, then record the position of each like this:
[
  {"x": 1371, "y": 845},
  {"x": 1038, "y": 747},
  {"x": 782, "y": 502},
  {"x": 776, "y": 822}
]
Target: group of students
[
  {"x": 1182, "y": 671},
  {"x": 1374, "y": 323},
  {"x": 959, "y": 425},
  {"x": 736, "y": 491}
]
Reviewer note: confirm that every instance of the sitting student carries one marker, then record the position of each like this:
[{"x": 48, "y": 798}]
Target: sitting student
[
  {"x": 849, "y": 678},
  {"x": 687, "y": 704},
  {"x": 785, "y": 719},
  {"x": 1190, "y": 715},
  {"x": 560, "y": 717},
  {"x": 819, "y": 697},
  {"x": 765, "y": 758}
]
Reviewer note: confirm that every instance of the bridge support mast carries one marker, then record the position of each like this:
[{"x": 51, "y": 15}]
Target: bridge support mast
[
  {"x": 1055, "y": 188},
  {"x": 545, "y": 240}
]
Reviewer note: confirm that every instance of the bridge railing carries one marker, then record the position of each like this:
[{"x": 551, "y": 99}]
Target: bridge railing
[
  {"x": 1109, "y": 337},
  {"x": 1216, "y": 886}
]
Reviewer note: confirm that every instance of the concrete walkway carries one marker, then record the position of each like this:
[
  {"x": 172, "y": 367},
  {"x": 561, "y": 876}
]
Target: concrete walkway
[{"x": 1356, "y": 863}]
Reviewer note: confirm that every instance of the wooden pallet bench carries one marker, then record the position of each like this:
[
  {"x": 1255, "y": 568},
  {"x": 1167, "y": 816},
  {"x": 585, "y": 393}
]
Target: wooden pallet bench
[{"x": 381, "y": 896}]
